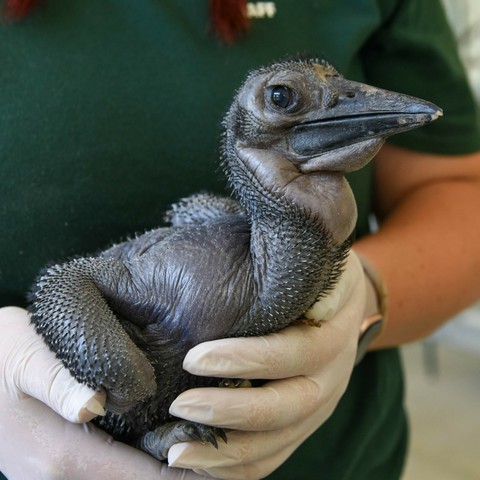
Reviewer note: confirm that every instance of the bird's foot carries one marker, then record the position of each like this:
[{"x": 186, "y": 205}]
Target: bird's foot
[{"x": 158, "y": 442}]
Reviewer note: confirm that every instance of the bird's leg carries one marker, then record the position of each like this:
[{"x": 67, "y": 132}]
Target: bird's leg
[
  {"x": 70, "y": 310},
  {"x": 158, "y": 442}
]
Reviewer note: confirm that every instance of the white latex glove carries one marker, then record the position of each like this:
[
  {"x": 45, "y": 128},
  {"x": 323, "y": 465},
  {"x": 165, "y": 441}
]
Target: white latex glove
[
  {"x": 309, "y": 369},
  {"x": 37, "y": 443}
]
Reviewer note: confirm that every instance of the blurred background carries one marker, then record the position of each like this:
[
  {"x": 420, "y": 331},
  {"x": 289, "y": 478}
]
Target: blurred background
[
  {"x": 443, "y": 402},
  {"x": 443, "y": 372}
]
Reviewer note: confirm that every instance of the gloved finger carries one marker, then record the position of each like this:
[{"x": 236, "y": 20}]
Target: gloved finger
[
  {"x": 296, "y": 350},
  {"x": 249, "y": 471},
  {"x": 268, "y": 407},
  {"x": 29, "y": 367},
  {"x": 243, "y": 448},
  {"x": 37, "y": 443}
]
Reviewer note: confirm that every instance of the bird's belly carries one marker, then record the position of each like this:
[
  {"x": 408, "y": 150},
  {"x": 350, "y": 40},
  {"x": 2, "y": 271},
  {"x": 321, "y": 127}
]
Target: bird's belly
[
  {"x": 200, "y": 281},
  {"x": 210, "y": 288}
]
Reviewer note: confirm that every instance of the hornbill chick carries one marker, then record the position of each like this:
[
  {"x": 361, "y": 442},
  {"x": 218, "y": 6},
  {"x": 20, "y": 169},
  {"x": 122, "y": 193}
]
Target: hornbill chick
[{"x": 124, "y": 320}]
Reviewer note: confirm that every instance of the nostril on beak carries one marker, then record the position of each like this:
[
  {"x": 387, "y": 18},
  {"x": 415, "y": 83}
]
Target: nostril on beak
[{"x": 350, "y": 94}]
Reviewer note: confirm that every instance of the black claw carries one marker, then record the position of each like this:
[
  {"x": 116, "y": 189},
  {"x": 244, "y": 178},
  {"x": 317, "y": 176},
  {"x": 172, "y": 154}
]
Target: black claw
[
  {"x": 221, "y": 433},
  {"x": 210, "y": 437},
  {"x": 194, "y": 434}
]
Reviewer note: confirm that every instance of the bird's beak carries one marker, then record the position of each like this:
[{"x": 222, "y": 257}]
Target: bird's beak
[{"x": 358, "y": 112}]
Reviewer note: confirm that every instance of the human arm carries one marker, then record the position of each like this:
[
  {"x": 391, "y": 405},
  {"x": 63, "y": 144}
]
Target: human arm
[
  {"x": 426, "y": 250},
  {"x": 37, "y": 442}
]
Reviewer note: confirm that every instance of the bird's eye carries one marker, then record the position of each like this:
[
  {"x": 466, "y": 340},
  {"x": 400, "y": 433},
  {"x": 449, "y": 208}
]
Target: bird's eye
[{"x": 282, "y": 97}]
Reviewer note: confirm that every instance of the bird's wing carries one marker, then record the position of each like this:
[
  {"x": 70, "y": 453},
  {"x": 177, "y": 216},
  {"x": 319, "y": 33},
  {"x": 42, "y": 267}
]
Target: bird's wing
[{"x": 201, "y": 208}]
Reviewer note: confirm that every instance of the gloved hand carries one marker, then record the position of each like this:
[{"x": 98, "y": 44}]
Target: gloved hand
[
  {"x": 309, "y": 369},
  {"x": 36, "y": 442}
]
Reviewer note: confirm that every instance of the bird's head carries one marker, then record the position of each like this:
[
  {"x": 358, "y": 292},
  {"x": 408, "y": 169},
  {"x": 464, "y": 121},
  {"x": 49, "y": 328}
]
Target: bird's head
[{"x": 301, "y": 118}]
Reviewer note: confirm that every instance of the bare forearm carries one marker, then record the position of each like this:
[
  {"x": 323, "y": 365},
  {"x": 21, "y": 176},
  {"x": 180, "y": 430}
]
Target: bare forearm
[{"x": 427, "y": 252}]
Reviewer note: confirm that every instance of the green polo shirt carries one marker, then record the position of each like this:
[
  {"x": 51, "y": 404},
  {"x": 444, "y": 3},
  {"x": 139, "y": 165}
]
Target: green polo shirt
[{"x": 110, "y": 111}]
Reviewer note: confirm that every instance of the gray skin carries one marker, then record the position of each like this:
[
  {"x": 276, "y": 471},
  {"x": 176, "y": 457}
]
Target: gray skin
[{"x": 124, "y": 320}]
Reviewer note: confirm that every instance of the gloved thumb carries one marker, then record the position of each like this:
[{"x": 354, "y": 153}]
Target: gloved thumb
[{"x": 28, "y": 367}]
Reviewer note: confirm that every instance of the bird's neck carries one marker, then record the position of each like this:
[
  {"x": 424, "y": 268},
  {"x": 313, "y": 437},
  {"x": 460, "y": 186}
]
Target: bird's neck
[{"x": 295, "y": 256}]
